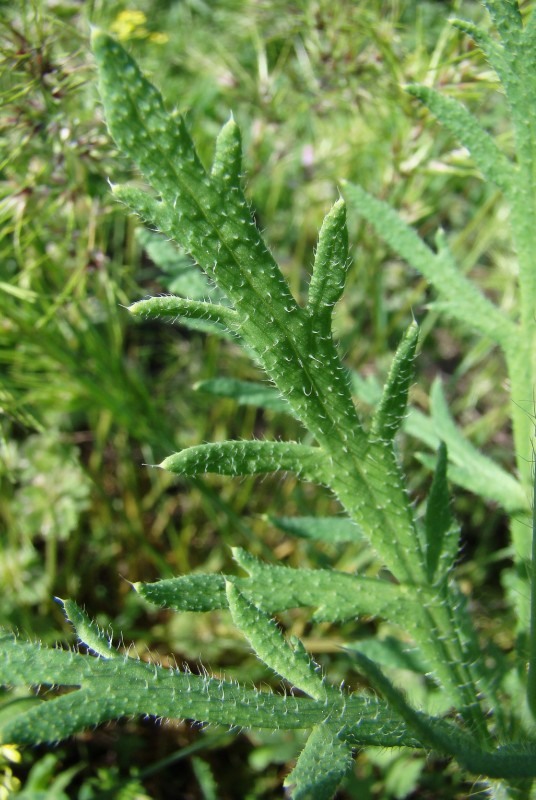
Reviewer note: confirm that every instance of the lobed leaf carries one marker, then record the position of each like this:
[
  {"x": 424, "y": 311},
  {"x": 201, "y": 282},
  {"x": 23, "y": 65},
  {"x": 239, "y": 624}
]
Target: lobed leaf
[
  {"x": 490, "y": 160},
  {"x": 336, "y": 596},
  {"x": 292, "y": 664},
  {"x": 292, "y": 347},
  {"x": 323, "y": 763},
  {"x": 213, "y": 223},
  {"x": 107, "y": 689},
  {"x": 468, "y": 304}
]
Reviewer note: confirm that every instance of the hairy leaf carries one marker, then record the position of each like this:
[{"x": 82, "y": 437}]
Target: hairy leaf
[
  {"x": 442, "y": 533},
  {"x": 331, "y": 264},
  {"x": 266, "y": 639},
  {"x": 249, "y": 458},
  {"x": 390, "y": 412},
  {"x": 107, "y": 689},
  {"x": 323, "y": 763},
  {"x": 336, "y": 596},
  {"x": 175, "y": 307},
  {"x": 462, "y": 124},
  {"x": 468, "y": 304}
]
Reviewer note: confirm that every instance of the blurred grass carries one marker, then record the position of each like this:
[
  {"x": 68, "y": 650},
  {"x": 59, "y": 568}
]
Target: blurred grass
[{"x": 87, "y": 397}]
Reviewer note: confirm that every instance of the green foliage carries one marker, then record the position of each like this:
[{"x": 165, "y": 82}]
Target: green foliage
[{"x": 206, "y": 212}]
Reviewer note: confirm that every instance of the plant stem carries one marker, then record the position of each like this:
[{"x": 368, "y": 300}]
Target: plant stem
[{"x": 531, "y": 676}]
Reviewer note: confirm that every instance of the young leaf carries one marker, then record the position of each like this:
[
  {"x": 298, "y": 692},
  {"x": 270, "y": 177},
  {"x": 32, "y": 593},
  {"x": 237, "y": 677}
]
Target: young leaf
[
  {"x": 442, "y": 533},
  {"x": 390, "y": 412},
  {"x": 227, "y": 164},
  {"x": 331, "y": 264},
  {"x": 175, "y": 307},
  {"x": 88, "y": 631},
  {"x": 249, "y": 458},
  {"x": 323, "y": 763},
  {"x": 293, "y": 664}
]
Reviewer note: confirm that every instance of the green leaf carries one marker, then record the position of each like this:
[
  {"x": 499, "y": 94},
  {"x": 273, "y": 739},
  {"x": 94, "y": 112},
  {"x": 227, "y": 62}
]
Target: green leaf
[
  {"x": 249, "y": 458},
  {"x": 515, "y": 761},
  {"x": 330, "y": 267},
  {"x": 107, "y": 689},
  {"x": 336, "y": 596},
  {"x": 181, "y": 275},
  {"x": 171, "y": 308},
  {"x": 507, "y": 19},
  {"x": 392, "y": 408},
  {"x": 468, "y": 304},
  {"x": 442, "y": 533},
  {"x": 476, "y": 472},
  {"x": 227, "y": 164},
  {"x": 391, "y": 653},
  {"x": 215, "y": 226},
  {"x": 245, "y": 393},
  {"x": 490, "y": 47},
  {"x": 323, "y": 763},
  {"x": 332, "y": 530},
  {"x": 491, "y": 161},
  {"x": 88, "y": 631},
  {"x": 292, "y": 664}
]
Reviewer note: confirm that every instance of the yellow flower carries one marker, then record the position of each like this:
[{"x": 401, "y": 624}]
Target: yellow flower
[
  {"x": 125, "y": 24},
  {"x": 130, "y": 24},
  {"x": 10, "y": 753}
]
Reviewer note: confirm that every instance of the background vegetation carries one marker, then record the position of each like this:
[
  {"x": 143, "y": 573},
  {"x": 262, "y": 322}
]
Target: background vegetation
[{"x": 87, "y": 397}]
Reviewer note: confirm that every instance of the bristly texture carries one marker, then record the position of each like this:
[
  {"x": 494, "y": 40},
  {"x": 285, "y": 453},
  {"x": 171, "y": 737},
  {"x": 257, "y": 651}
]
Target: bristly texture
[{"x": 207, "y": 213}]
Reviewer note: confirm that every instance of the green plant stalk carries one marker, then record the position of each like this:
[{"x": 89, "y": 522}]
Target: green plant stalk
[
  {"x": 531, "y": 672},
  {"x": 293, "y": 345},
  {"x": 512, "y": 58},
  {"x": 208, "y": 214}
]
